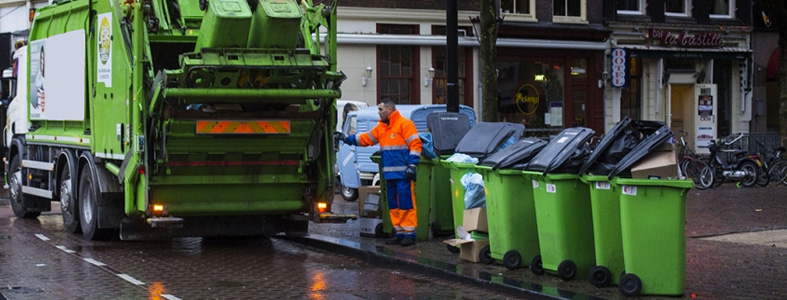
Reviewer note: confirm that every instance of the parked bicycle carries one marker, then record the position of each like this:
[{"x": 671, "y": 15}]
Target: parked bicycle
[
  {"x": 693, "y": 167},
  {"x": 774, "y": 168},
  {"x": 732, "y": 164}
]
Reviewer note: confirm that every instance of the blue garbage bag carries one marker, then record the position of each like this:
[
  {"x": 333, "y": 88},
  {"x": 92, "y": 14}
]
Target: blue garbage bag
[
  {"x": 473, "y": 183},
  {"x": 462, "y": 158},
  {"x": 428, "y": 145}
]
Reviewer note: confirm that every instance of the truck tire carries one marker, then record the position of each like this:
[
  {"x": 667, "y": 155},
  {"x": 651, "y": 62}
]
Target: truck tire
[
  {"x": 19, "y": 202},
  {"x": 88, "y": 202},
  {"x": 69, "y": 205}
]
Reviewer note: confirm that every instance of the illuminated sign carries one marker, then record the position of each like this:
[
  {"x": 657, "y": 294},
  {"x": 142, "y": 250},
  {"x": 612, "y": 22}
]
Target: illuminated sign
[{"x": 527, "y": 99}]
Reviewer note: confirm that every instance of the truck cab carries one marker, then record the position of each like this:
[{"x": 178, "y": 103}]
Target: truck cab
[{"x": 356, "y": 167}]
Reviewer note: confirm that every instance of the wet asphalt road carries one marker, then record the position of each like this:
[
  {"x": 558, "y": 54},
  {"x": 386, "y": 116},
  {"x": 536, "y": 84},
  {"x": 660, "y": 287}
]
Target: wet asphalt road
[{"x": 39, "y": 260}]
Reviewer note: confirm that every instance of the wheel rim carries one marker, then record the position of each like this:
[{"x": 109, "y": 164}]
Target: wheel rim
[
  {"x": 87, "y": 211},
  {"x": 65, "y": 195},
  {"x": 16, "y": 186},
  {"x": 347, "y": 192},
  {"x": 751, "y": 174}
]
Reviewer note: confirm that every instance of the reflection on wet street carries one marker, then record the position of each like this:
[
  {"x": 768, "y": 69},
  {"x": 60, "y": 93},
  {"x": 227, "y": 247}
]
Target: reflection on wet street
[{"x": 39, "y": 260}]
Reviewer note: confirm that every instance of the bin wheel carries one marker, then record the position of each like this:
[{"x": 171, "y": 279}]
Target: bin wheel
[
  {"x": 379, "y": 231},
  {"x": 452, "y": 249},
  {"x": 600, "y": 276},
  {"x": 536, "y": 266},
  {"x": 566, "y": 270},
  {"x": 512, "y": 260},
  {"x": 485, "y": 255},
  {"x": 630, "y": 285}
]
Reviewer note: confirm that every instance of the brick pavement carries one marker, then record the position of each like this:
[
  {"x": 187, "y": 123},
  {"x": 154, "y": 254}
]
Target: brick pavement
[{"x": 714, "y": 269}]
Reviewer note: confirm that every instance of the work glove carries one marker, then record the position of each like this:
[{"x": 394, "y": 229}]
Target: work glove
[
  {"x": 338, "y": 136},
  {"x": 410, "y": 173}
]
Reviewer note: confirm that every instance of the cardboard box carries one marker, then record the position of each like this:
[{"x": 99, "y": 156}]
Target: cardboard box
[
  {"x": 369, "y": 201},
  {"x": 468, "y": 249},
  {"x": 369, "y": 226},
  {"x": 474, "y": 219},
  {"x": 659, "y": 164}
]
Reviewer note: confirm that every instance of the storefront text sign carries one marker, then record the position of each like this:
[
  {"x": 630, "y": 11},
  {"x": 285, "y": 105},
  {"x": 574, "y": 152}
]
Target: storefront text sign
[
  {"x": 618, "y": 67},
  {"x": 684, "y": 39}
]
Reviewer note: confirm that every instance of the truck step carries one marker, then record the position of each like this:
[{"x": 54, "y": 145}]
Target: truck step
[{"x": 172, "y": 222}]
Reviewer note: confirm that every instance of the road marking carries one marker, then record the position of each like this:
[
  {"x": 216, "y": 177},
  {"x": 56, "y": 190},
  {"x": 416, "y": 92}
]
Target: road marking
[
  {"x": 95, "y": 262},
  {"x": 101, "y": 266},
  {"x": 130, "y": 279},
  {"x": 65, "y": 249}
]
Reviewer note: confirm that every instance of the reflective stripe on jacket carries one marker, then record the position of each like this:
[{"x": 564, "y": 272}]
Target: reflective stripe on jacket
[{"x": 398, "y": 141}]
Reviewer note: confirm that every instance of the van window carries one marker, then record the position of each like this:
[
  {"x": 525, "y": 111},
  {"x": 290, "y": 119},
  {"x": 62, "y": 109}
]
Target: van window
[{"x": 352, "y": 125}]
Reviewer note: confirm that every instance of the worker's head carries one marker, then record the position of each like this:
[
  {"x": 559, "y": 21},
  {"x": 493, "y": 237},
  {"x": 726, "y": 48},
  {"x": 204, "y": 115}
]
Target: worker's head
[{"x": 385, "y": 108}]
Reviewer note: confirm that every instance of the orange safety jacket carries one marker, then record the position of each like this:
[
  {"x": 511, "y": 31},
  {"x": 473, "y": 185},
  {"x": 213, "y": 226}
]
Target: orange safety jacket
[{"x": 399, "y": 142}]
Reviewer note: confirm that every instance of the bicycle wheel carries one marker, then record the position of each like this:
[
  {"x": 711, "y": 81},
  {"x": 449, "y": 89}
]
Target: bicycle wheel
[
  {"x": 699, "y": 172},
  {"x": 778, "y": 172}
]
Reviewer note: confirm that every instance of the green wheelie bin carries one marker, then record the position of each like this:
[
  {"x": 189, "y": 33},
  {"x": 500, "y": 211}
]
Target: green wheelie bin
[
  {"x": 605, "y": 208},
  {"x": 511, "y": 216},
  {"x": 565, "y": 225},
  {"x": 441, "y": 215},
  {"x": 456, "y": 170},
  {"x": 422, "y": 200},
  {"x": 652, "y": 223}
]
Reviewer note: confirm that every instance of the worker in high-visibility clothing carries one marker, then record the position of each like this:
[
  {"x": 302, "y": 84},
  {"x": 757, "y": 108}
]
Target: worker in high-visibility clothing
[{"x": 401, "y": 151}]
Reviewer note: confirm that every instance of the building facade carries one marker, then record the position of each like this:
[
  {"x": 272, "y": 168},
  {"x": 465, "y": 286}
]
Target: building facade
[{"x": 688, "y": 63}]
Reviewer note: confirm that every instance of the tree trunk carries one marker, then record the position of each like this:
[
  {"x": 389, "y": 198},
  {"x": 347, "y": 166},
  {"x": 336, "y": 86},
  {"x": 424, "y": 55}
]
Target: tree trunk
[{"x": 489, "y": 98}]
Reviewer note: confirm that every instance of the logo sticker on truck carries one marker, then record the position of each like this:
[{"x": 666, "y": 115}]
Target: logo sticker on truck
[{"x": 243, "y": 127}]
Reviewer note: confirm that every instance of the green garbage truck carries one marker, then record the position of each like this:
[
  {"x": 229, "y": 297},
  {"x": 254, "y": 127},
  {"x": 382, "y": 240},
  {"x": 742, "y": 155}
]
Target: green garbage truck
[{"x": 167, "y": 118}]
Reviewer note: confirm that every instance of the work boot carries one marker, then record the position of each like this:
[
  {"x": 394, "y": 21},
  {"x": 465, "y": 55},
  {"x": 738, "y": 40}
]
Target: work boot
[
  {"x": 408, "y": 242},
  {"x": 393, "y": 241}
]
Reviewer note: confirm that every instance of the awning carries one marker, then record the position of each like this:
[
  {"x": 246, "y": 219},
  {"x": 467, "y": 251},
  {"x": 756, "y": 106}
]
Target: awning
[
  {"x": 732, "y": 53},
  {"x": 464, "y": 41}
]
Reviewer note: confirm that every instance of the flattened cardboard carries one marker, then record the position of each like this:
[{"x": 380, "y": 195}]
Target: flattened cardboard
[
  {"x": 468, "y": 249},
  {"x": 369, "y": 201},
  {"x": 659, "y": 164},
  {"x": 474, "y": 219}
]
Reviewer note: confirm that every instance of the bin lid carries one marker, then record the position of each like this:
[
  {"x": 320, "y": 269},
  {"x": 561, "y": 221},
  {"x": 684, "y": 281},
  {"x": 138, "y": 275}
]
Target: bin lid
[
  {"x": 521, "y": 151},
  {"x": 647, "y": 145},
  {"x": 612, "y": 136},
  {"x": 565, "y": 145},
  {"x": 486, "y": 137}
]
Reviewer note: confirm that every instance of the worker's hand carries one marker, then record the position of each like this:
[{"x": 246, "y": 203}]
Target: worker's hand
[
  {"x": 338, "y": 136},
  {"x": 410, "y": 173}
]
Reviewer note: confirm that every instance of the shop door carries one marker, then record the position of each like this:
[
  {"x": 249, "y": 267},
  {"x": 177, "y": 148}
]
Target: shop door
[
  {"x": 680, "y": 118},
  {"x": 576, "y": 113}
]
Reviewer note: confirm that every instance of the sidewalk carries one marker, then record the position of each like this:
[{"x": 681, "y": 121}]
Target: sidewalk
[{"x": 750, "y": 268}]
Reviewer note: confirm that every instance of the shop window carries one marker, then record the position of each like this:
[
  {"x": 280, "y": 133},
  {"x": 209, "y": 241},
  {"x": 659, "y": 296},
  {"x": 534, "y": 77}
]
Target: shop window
[
  {"x": 722, "y": 9},
  {"x": 677, "y": 8},
  {"x": 397, "y": 67},
  {"x": 630, "y": 7},
  {"x": 518, "y": 9},
  {"x": 631, "y": 94},
  {"x": 531, "y": 93},
  {"x": 439, "y": 83},
  {"x": 568, "y": 11},
  {"x": 579, "y": 68}
]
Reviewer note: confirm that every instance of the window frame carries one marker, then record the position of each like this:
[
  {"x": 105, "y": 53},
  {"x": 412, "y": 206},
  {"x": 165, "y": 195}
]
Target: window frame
[
  {"x": 639, "y": 12},
  {"x": 730, "y": 13},
  {"x": 686, "y": 10},
  {"x": 581, "y": 19},
  {"x": 513, "y": 16},
  {"x": 412, "y": 79}
]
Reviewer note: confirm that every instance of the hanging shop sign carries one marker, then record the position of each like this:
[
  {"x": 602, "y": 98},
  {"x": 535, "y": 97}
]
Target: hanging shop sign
[
  {"x": 686, "y": 40},
  {"x": 618, "y": 67}
]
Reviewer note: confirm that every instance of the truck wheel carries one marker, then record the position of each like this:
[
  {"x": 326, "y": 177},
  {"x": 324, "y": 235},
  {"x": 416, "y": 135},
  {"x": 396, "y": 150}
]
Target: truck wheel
[
  {"x": 349, "y": 194},
  {"x": 68, "y": 203},
  {"x": 88, "y": 200},
  {"x": 19, "y": 202}
]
